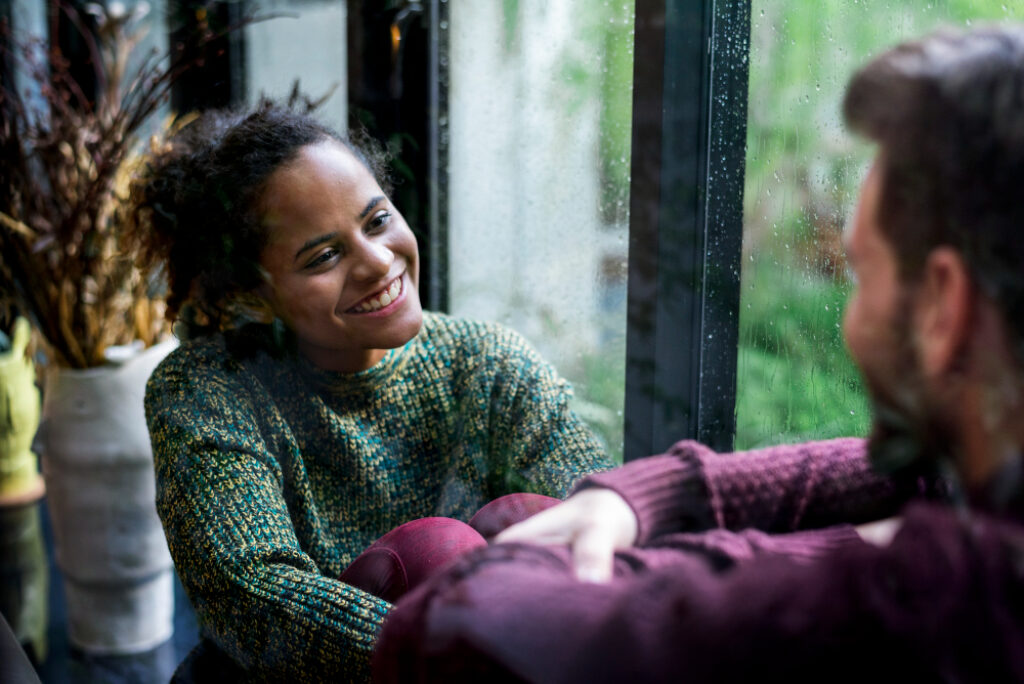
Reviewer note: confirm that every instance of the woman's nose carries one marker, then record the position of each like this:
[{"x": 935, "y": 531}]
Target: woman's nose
[{"x": 372, "y": 260}]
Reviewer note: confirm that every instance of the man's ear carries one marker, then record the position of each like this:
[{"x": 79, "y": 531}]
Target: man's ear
[{"x": 942, "y": 311}]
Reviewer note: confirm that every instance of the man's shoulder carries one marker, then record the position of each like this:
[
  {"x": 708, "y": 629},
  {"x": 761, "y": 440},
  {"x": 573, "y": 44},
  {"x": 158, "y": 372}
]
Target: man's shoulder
[{"x": 958, "y": 549}]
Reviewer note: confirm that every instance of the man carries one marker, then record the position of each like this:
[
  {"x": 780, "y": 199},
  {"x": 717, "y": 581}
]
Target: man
[{"x": 937, "y": 327}]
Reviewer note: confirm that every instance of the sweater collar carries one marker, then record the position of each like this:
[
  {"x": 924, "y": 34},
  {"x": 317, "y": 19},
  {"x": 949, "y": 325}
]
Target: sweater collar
[{"x": 373, "y": 378}]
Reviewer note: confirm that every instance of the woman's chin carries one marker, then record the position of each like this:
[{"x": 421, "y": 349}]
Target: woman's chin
[
  {"x": 402, "y": 327},
  {"x": 409, "y": 326}
]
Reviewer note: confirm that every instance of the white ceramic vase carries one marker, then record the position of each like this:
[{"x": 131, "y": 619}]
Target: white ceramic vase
[{"x": 109, "y": 544}]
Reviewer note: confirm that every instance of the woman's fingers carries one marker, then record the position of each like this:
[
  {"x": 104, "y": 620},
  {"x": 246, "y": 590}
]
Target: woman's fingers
[
  {"x": 556, "y": 525},
  {"x": 576, "y": 523},
  {"x": 594, "y": 523},
  {"x": 592, "y": 553}
]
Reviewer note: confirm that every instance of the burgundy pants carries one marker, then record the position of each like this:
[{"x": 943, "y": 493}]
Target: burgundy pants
[{"x": 412, "y": 552}]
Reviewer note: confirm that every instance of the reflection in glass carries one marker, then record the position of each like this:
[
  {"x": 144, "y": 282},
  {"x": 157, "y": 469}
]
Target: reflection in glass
[{"x": 540, "y": 103}]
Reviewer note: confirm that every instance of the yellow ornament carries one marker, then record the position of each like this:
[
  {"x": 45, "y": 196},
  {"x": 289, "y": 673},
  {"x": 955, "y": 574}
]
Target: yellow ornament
[{"x": 20, "y": 480}]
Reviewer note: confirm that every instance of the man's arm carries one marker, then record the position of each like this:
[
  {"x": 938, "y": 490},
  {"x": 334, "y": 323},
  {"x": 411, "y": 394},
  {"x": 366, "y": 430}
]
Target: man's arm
[
  {"x": 780, "y": 489},
  {"x": 515, "y": 612}
]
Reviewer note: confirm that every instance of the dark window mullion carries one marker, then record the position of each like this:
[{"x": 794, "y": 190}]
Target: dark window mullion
[
  {"x": 438, "y": 298},
  {"x": 689, "y": 122},
  {"x": 216, "y": 75},
  {"x": 399, "y": 93},
  {"x": 726, "y": 162}
]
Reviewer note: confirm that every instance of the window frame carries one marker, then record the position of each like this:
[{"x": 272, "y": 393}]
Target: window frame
[
  {"x": 686, "y": 214},
  {"x": 686, "y": 222}
]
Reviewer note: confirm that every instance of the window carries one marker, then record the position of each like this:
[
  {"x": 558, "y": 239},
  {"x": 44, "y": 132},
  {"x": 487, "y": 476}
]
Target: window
[
  {"x": 653, "y": 192},
  {"x": 795, "y": 380},
  {"x": 539, "y": 125},
  {"x": 673, "y": 244}
]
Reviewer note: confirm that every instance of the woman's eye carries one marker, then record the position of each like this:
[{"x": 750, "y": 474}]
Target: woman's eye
[
  {"x": 378, "y": 221},
  {"x": 322, "y": 258}
]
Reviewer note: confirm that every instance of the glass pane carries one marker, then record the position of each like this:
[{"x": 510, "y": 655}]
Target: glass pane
[
  {"x": 795, "y": 380},
  {"x": 274, "y": 60},
  {"x": 540, "y": 106}
]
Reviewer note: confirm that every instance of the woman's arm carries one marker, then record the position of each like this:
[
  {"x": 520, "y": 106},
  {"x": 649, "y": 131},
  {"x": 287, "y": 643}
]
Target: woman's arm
[
  {"x": 257, "y": 594},
  {"x": 539, "y": 443}
]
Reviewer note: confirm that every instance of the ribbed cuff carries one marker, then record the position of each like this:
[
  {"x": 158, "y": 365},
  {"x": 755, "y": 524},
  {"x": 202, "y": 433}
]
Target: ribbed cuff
[{"x": 666, "y": 492}]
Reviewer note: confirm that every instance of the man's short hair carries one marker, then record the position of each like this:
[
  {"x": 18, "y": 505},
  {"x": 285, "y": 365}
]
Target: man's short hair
[{"x": 948, "y": 113}]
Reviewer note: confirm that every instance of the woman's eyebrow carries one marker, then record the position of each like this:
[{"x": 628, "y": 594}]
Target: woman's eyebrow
[
  {"x": 371, "y": 204},
  {"x": 310, "y": 244}
]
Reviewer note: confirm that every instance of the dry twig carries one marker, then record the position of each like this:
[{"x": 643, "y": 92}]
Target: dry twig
[{"x": 64, "y": 188}]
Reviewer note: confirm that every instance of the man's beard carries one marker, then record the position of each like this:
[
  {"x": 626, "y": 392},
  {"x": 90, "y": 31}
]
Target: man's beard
[{"x": 909, "y": 441}]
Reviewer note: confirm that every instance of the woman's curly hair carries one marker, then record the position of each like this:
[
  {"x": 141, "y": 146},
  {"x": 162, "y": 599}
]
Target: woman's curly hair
[{"x": 196, "y": 206}]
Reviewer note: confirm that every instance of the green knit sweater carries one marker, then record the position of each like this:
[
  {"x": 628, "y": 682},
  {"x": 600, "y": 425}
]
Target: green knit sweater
[{"x": 272, "y": 476}]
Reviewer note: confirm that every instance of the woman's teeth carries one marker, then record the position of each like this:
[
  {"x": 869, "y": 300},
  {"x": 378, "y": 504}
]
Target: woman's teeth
[{"x": 381, "y": 300}]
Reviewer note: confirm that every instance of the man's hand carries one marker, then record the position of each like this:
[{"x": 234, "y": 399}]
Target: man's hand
[{"x": 594, "y": 523}]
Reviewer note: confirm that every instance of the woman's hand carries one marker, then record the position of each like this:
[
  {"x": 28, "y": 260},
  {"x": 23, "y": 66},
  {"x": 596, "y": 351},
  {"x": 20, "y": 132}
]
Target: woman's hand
[
  {"x": 880, "y": 532},
  {"x": 594, "y": 523}
]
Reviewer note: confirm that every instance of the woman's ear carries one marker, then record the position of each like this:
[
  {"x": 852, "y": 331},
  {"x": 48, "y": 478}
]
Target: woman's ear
[{"x": 943, "y": 311}]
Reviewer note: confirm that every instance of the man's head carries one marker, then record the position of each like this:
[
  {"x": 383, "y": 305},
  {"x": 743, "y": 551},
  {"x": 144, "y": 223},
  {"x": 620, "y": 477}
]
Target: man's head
[{"x": 937, "y": 242}]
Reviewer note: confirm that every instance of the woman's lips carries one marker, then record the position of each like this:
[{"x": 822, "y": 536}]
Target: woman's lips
[{"x": 382, "y": 300}]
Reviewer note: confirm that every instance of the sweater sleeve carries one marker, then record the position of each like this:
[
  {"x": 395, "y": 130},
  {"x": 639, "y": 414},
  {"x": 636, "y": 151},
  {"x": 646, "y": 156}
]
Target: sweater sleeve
[
  {"x": 928, "y": 608},
  {"x": 257, "y": 595},
  {"x": 539, "y": 443},
  {"x": 776, "y": 489}
]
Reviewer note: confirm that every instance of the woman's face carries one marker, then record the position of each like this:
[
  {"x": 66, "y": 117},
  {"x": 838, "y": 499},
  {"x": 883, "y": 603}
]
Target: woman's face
[{"x": 342, "y": 263}]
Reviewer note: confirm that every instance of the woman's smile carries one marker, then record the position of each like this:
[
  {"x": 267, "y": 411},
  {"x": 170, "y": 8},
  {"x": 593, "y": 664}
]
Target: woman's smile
[
  {"x": 341, "y": 263},
  {"x": 384, "y": 302}
]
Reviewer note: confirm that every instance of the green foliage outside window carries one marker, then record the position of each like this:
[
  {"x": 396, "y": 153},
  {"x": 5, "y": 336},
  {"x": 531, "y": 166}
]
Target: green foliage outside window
[{"x": 795, "y": 380}]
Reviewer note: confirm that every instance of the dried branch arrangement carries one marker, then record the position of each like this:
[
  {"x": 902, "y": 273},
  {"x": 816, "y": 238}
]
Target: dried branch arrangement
[{"x": 67, "y": 163}]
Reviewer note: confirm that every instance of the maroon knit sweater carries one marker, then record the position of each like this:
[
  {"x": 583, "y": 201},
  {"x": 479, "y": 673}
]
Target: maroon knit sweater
[
  {"x": 943, "y": 602},
  {"x": 777, "y": 489}
]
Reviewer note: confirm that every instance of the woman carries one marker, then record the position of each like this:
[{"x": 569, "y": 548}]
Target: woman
[{"x": 314, "y": 406}]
